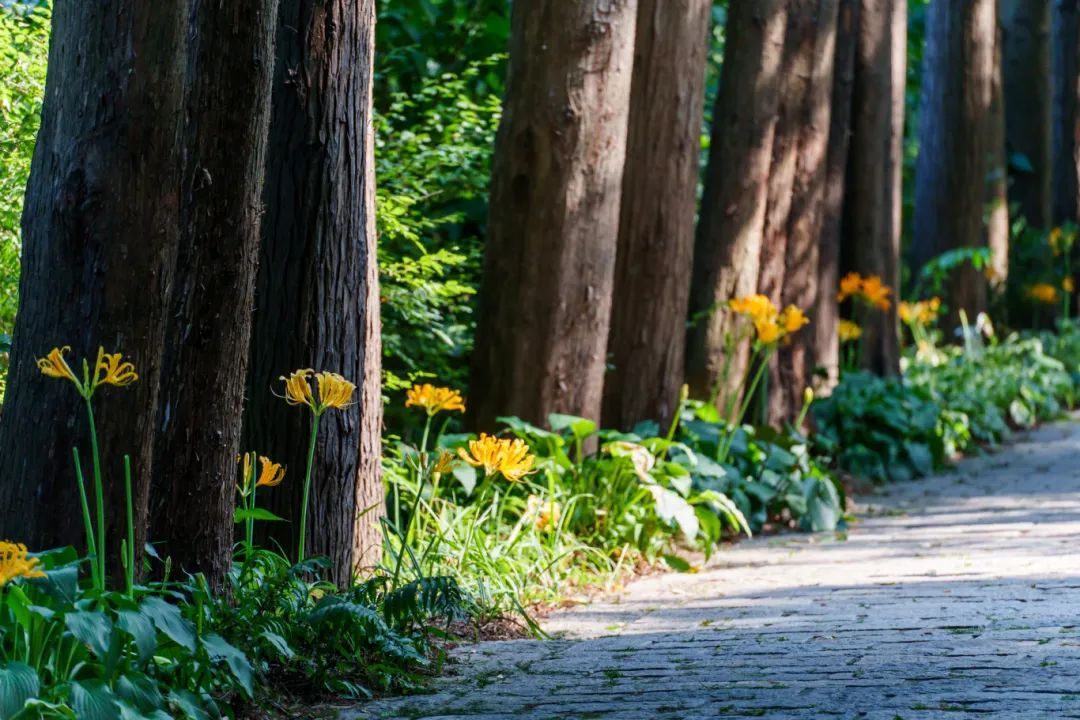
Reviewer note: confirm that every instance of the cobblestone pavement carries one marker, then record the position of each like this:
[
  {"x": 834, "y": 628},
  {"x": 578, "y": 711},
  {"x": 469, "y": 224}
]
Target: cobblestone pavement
[{"x": 957, "y": 596}]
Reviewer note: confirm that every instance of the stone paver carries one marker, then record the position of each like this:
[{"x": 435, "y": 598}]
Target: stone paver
[{"x": 957, "y": 596}]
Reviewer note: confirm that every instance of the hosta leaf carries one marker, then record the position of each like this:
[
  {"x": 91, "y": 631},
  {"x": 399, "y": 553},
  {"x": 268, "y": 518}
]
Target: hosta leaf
[
  {"x": 93, "y": 700},
  {"x": 169, "y": 621},
  {"x": 18, "y": 683},
  {"x": 93, "y": 629},
  {"x": 139, "y": 691},
  {"x": 188, "y": 703},
  {"x": 220, "y": 649},
  {"x": 141, "y": 628},
  {"x": 673, "y": 509},
  {"x": 260, "y": 514}
]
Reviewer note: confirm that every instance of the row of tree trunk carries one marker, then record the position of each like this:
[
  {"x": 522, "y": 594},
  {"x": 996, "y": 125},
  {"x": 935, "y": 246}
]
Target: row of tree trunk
[
  {"x": 584, "y": 307},
  {"x": 594, "y": 264},
  {"x": 201, "y": 199}
]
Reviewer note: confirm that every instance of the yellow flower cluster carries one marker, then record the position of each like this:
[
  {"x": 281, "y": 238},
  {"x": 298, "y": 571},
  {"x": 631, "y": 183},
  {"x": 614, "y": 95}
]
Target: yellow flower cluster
[
  {"x": 509, "y": 457},
  {"x": 1061, "y": 240},
  {"x": 1044, "y": 293},
  {"x": 1068, "y": 285},
  {"x": 109, "y": 369},
  {"x": 334, "y": 390},
  {"x": 434, "y": 399},
  {"x": 870, "y": 289},
  {"x": 270, "y": 473},
  {"x": 922, "y": 312},
  {"x": 15, "y": 564},
  {"x": 770, "y": 323},
  {"x": 849, "y": 331}
]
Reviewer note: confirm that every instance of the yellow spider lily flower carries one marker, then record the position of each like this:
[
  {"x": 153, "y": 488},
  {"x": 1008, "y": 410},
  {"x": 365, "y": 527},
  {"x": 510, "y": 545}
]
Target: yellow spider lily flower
[
  {"x": 509, "y": 457},
  {"x": 849, "y": 331},
  {"x": 110, "y": 370},
  {"x": 1068, "y": 285},
  {"x": 850, "y": 284},
  {"x": 1044, "y": 293},
  {"x": 271, "y": 473},
  {"x": 335, "y": 392},
  {"x": 54, "y": 365},
  {"x": 768, "y": 331},
  {"x": 793, "y": 319},
  {"x": 756, "y": 307},
  {"x": 443, "y": 464},
  {"x": 876, "y": 292},
  {"x": 434, "y": 399},
  {"x": 15, "y": 564}
]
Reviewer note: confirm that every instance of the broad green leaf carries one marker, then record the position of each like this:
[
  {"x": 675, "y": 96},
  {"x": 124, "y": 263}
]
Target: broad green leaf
[
  {"x": 188, "y": 703},
  {"x": 18, "y": 684},
  {"x": 466, "y": 475},
  {"x": 673, "y": 509},
  {"x": 168, "y": 620},
  {"x": 93, "y": 629},
  {"x": 141, "y": 628},
  {"x": 220, "y": 649},
  {"x": 93, "y": 700},
  {"x": 677, "y": 563},
  {"x": 139, "y": 691},
  {"x": 579, "y": 427}
]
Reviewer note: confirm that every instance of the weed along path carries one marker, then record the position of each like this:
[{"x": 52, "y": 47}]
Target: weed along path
[{"x": 956, "y": 596}]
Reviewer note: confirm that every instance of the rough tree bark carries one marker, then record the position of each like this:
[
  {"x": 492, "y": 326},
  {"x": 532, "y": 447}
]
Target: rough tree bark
[
  {"x": 100, "y": 235},
  {"x": 646, "y": 344},
  {"x": 871, "y": 242},
  {"x": 955, "y": 169},
  {"x": 1066, "y": 86},
  {"x": 826, "y": 313},
  {"x": 727, "y": 248},
  {"x": 545, "y": 300},
  {"x": 317, "y": 301},
  {"x": 790, "y": 251},
  {"x": 1027, "y": 86},
  {"x": 202, "y": 380}
]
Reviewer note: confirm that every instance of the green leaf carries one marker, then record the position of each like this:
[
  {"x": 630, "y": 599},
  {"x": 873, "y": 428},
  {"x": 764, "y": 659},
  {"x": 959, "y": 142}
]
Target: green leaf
[
  {"x": 139, "y": 691},
  {"x": 260, "y": 514},
  {"x": 93, "y": 629},
  {"x": 168, "y": 620},
  {"x": 220, "y": 649},
  {"x": 18, "y": 684},
  {"x": 466, "y": 475},
  {"x": 189, "y": 704},
  {"x": 677, "y": 563},
  {"x": 673, "y": 509},
  {"x": 93, "y": 700},
  {"x": 280, "y": 644},
  {"x": 579, "y": 427},
  {"x": 141, "y": 628}
]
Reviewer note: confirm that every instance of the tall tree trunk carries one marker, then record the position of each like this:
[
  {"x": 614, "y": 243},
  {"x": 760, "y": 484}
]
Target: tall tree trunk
[
  {"x": 727, "y": 248},
  {"x": 198, "y": 438},
  {"x": 100, "y": 235},
  {"x": 956, "y": 158},
  {"x": 789, "y": 262},
  {"x": 317, "y": 290},
  {"x": 871, "y": 244},
  {"x": 797, "y": 360},
  {"x": 826, "y": 313},
  {"x": 646, "y": 345},
  {"x": 545, "y": 300},
  {"x": 1066, "y": 86},
  {"x": 997, "y": 177},
  {"x": 1027, "y": 81}
]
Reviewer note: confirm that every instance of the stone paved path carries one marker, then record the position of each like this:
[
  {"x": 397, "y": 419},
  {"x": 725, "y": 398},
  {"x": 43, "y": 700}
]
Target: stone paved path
[{"x": 954, "y": 597}]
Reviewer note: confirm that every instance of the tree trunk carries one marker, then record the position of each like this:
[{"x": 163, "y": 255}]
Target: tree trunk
[
  {"x": 100, "y": 235},
  {"x": 956, "y": 135},
  {"x": 871, "y": 244},
  {"x": 790, "y": 253},
  {"x": 317, "y": 290},
  {"x": 545, "y": 300},
  {"x": 1066, "y": 86},
  {"x": 826, "y": 314},
  {"x": 727, "y": 248},
  {"x": 997, "y": 178},
  {"x": 1028, "y": 126},
  {"x": 198, "y": 438},
  {"x": 646, "y": 345}
]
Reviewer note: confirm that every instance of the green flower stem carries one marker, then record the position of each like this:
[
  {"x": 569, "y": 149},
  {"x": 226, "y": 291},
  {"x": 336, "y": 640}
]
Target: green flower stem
[
  {"x": 88, "y": 524},
  {"x": 249, "y": 525},
  {"x": 427, "y": 431},
  {"x": 130, "y": 528},
  {"x": 99, "y": 491},
  {"x": 724, "y": 446},
  {"x": 307, "y": 488}
]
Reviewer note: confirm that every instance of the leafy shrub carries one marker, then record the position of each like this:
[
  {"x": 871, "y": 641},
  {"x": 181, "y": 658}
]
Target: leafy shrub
[{"x": 879, "y": 428}]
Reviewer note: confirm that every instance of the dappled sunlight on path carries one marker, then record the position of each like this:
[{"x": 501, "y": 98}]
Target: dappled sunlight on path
[{"x": 955, "y": 596}]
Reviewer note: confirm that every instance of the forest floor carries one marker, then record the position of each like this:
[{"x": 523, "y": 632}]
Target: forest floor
[{"x": 955, "y": 596}]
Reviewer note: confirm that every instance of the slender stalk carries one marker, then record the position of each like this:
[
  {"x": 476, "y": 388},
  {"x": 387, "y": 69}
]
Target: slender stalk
[
  {"x": 424, "y": 439},
  {"x": 91, "y": 544},
  {"x": 249, "y": 526},
  {"x": 130, "y": 528},
  {"x": 99, "y": 492},
  {"x": 307, "y": 488}
]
